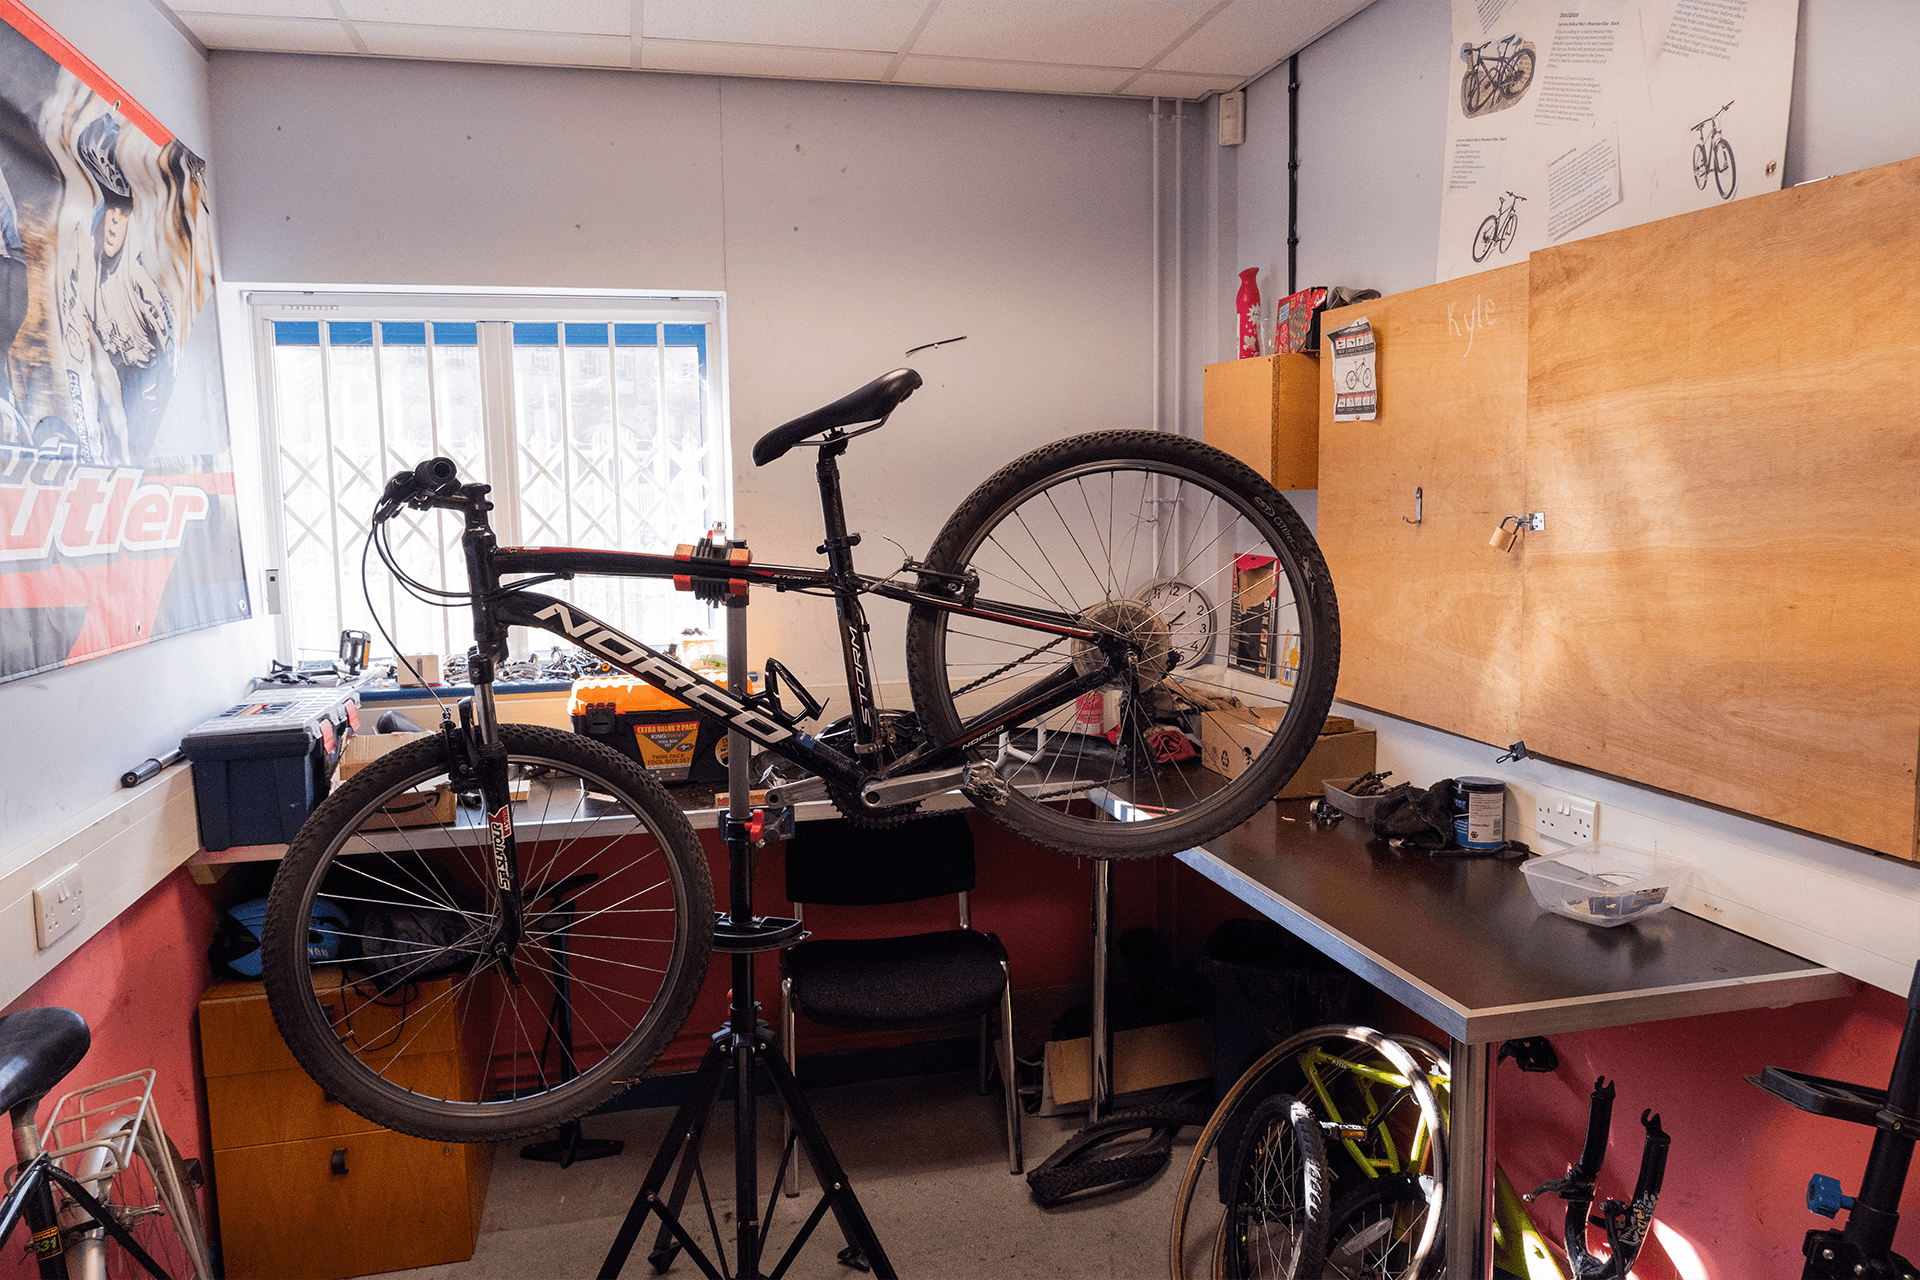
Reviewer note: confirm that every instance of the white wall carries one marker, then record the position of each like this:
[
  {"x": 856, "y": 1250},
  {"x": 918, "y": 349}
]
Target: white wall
[
  {"x": 847, "y": 223},
  {"x": 1372, "y": 113},
  {"x": 71, "y": 733}
]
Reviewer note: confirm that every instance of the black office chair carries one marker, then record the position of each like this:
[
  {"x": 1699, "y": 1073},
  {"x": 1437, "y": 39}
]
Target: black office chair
[{"x": 902, "y": 981}]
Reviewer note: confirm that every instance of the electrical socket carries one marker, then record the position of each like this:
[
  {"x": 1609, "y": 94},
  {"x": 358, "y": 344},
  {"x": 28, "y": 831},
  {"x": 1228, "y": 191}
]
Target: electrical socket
[
  {"x": 58, "y": 905},
  {"x": 1566, "y": 818}
]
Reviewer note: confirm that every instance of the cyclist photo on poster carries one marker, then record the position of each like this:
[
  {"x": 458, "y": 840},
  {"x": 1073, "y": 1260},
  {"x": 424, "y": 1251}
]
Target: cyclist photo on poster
[{"x": 117, "y": 518}]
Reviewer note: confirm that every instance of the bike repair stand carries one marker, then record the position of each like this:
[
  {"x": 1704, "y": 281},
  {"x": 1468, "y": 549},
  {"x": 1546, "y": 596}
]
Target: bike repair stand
[{"x": 737, "y": 1047}]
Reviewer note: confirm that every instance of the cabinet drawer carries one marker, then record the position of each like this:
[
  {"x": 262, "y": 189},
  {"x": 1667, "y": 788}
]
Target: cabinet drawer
[
  {"x": 238, "y": 1034},
  {"x": 284, "y": 1106},
  {"x": 401, "y": 1202}
]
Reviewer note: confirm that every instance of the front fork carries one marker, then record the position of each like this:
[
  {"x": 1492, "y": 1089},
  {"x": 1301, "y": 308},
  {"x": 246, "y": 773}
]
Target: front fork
[{"x": 485, "y": 754}]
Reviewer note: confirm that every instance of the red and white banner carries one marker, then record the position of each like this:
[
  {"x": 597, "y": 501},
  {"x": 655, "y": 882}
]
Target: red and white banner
[{"x": 117, "y": 519}]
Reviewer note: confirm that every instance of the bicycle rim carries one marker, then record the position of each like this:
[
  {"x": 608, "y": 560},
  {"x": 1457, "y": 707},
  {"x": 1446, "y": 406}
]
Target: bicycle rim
[
  {"x": 1376, "y": 1232},
  {"x": 1723, "y": 174},
  {"x": 1278, "y": 1216},
  {"x": 1485, "y": 238},
  {"x": 403, "y": 1012},
  {"x": 1197, "y": 1216},
  {"x": 1085, "y": 527},
  {"x": 149, "y": 1197}
]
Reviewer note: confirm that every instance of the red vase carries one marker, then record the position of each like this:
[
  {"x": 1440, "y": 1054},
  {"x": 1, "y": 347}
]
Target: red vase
[{"x": 1248, "y": 304}]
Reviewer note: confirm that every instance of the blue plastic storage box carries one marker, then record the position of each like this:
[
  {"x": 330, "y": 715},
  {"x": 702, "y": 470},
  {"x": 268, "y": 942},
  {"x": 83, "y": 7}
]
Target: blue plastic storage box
[{"x": 260, "y": 767}]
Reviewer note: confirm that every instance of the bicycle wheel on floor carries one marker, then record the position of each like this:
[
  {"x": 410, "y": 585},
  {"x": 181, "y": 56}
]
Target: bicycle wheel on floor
[
  {"x": 378, "y": 945},
  {"x": 1278, "y": 1213},
  {"x": 1377, "y": 1230},
  {"x": 139, "y": 1175},
  {"x": 1092, "y": 527},
  {"x": 1197, "y": 1218}
]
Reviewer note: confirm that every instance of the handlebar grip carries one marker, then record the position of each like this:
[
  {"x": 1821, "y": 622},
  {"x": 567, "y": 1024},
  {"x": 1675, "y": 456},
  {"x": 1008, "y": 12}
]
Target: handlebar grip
[{"x": 438, "y": 475}]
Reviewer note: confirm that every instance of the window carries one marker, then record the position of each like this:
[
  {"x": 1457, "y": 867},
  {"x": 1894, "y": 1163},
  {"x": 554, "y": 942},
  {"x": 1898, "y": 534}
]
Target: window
[{"x": 599, "y": 432}]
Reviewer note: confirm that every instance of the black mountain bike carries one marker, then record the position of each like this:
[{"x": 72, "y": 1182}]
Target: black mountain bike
[
  {"x": 553, "y": 930},
  {"x": 1497, "y": 228},
  {"x": 1493, "y": 77},
  {"x": 1713, "y": 156}
]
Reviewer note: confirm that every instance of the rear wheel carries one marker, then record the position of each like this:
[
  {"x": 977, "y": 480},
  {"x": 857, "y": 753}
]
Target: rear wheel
[
  {"x": 1085, "y": 532},
  {"x": 1486, "y": 237},
  {"x": 1278, "y": 1213},
  {"x": 139, "y": 1175},
  {"x": 378, "y": 945},
  {"x": 1377, "y": 1231},
  {"x": 1519, "y": 73}
]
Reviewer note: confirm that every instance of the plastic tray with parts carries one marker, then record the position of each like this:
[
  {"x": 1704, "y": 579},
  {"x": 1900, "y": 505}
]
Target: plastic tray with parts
[{"x": 1605, "y": 884}]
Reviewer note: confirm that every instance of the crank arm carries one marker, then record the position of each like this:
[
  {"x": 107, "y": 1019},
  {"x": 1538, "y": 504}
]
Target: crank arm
[
  {"x": 799, "y": 792},
  {"x": 919, "y": 786}
]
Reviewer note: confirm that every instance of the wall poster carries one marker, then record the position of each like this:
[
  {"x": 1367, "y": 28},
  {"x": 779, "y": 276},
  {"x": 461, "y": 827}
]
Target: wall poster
[
  {"x": 1568, "y": 119},
  {"x": 117, "y": 516}
]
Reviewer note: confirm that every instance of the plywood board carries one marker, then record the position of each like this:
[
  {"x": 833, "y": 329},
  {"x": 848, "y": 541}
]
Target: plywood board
[
  {"x": 1265, "y": 412},
  {"x": 1722, "y": 433},
  {"x": 1429, "y": 613}
]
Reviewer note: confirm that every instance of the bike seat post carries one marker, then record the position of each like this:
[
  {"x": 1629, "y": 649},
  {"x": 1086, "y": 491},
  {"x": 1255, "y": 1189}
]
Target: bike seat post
[{"x": 838, "y": 548}]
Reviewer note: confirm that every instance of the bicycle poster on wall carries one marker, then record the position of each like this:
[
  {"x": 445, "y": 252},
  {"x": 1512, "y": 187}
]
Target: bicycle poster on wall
[
  {"x": 1565, "y": 120},
  {"x": 117, "y": 515}
]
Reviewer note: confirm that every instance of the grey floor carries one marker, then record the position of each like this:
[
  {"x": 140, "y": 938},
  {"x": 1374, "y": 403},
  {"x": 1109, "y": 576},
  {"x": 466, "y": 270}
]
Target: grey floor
[{"x": 925, "y": 1155}]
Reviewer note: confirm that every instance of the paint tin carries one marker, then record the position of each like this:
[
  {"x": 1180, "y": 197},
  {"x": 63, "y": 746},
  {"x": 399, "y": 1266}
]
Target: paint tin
[{"x": 1479, "y": 813}]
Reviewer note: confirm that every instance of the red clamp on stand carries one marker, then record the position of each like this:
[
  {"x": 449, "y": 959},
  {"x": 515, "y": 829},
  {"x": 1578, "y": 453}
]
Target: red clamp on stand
[{"x": 712, "y": 547}]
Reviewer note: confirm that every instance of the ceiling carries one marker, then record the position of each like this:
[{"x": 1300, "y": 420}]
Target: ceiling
[{"x": 1130, "y": 48}]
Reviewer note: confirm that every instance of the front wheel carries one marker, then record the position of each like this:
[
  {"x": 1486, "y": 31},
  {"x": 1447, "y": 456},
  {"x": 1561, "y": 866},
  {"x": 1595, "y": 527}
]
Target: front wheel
[
  {"x": 1507, "y": 230},
  {"x": 389, "y": 980},
  {"x": 1519, "y": 74},
  {"x": 1278, "y": 1214},
  {"x": 1085, "y": 531},
  {"x": 1377, "y": 1230},
  {"x": 1723, "y": 177}
]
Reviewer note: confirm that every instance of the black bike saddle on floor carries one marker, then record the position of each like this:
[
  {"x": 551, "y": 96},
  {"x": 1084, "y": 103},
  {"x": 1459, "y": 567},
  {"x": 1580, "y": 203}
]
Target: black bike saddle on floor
[
  {"x": 38, "y": 1047},
  {"x": 870, "y": 403}
]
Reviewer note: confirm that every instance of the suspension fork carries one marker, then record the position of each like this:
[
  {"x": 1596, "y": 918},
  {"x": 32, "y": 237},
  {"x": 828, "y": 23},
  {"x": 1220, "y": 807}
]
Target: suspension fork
[
  {"x": 838, "y": 548},
  {"x": 481, "y": 744}
]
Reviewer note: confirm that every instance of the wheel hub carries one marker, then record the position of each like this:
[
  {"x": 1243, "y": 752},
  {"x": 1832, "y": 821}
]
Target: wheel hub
[{"x": 1136, "y": 636}]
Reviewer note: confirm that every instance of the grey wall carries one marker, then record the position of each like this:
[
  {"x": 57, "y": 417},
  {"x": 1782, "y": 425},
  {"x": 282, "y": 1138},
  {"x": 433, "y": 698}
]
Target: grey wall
[
  {"x": 1373, "y": 125},
  {"x": 847, "y": 223},
  {"x": 70, "y": 733}
]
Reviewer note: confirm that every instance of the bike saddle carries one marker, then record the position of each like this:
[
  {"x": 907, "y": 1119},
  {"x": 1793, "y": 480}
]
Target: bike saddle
[
  {"x": 37, "y": 1049},
  {"x": 870, "y": 403}
]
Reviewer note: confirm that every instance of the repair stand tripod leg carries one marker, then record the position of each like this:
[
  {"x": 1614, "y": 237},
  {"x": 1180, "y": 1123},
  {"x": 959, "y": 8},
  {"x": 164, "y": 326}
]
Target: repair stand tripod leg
[{"x": 744, "y": 1042}]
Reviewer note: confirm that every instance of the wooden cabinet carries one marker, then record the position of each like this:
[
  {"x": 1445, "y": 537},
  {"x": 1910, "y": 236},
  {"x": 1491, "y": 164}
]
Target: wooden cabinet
[
  {"x": 1720, "y": 424},
  {"x": 1429, "y": 613},
  {"x": 307, "y": 1188},
  {"x": 1265, "y": 411}
]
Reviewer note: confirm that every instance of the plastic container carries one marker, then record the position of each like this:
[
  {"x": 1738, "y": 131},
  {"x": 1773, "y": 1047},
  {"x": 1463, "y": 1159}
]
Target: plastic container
[
  {"x": 260, "y": 767},
  {"x": 1361, "y": 807},
  {"x": 1605, "y": 884}
]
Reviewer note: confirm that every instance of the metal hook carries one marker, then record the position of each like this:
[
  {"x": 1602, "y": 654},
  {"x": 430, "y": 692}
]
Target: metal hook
[
  {"x": 935, "y": 346},
  {"x": 1417, "y": 502}
]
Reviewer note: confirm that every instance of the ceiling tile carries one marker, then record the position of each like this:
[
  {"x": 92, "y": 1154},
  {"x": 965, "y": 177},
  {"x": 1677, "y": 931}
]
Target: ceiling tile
[
  {"x": 273, "y": 35},
  {"x": 1109, "y": 33},
  {"x": 1171, "y": 84},
  {"x": 812, "y": 24},
  {"x": 1026, "y": 77},
  {"x": 761, "y": 60},
  {"x": 579, "y": 17},
  {"x": 533, "y": 48},
  {"x": 259, "y": 8},
  {"x": 1248, "y": 36}
]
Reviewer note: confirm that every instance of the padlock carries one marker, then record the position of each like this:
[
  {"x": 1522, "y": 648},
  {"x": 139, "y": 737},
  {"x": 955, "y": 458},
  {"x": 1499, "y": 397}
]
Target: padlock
[{"x": 1502, "y": 539}]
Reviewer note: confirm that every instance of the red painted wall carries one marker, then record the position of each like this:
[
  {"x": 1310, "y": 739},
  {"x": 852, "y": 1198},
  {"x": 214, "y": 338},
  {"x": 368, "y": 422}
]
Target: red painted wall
[{"x": 137, "y": 983}]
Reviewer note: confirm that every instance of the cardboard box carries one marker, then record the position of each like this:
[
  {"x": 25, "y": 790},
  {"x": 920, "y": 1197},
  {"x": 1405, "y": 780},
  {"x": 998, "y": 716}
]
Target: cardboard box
[
  {"x": 1145, "y": 1058},
  {"x": 1230, "y": 736},
  {"x": 428, "y": 807}
]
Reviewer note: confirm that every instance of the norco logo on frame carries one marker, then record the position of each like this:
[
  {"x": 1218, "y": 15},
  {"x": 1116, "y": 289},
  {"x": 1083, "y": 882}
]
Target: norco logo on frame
[{"x": 650, "y": 666}]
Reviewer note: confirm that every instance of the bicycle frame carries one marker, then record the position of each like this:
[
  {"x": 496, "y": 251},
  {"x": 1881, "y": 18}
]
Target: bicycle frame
[
  {"x": 31, "y": 1198},
  {"x": 931, "y": 767}
]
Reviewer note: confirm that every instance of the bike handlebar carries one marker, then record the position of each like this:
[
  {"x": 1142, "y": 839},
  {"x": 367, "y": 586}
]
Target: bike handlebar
[{"x": 431, "y": 483}]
